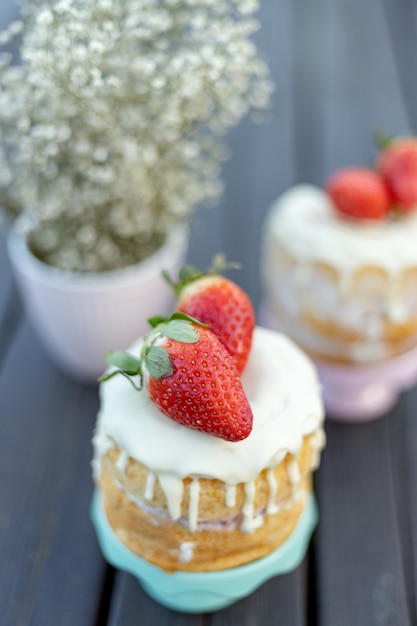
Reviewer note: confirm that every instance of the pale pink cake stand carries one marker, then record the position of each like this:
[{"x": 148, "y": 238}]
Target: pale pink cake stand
[{"x": 359, "y": 393}]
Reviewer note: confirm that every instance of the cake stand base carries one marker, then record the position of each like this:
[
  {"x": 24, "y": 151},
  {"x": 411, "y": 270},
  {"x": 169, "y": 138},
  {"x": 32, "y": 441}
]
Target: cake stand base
[
  {"x": 199, "y": 592},
  {"x": 366, "y": 392},
  {"x": 360, "y": 393}
]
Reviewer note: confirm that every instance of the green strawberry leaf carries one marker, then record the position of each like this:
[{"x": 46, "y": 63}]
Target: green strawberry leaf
[
  {"x": 382, "y": 140},
  {"x": 178, "y": 315},
  {"x": 156, "y": 319},
  {"x": 179, "y": 330},
  {"x": 126, "y": 362},
  {"x": 189, "y": 273},
  {"x": 158, "y": 362}
]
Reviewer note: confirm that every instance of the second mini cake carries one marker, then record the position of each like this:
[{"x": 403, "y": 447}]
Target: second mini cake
[
  {"x": 339, "y": 276},
  {"x": 345, "y": 290}
]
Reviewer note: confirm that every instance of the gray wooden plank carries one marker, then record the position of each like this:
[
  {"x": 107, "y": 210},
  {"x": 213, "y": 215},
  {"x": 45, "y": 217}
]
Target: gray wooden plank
[
  {"x": 402, "y": 27},
  {"x": 51, "y": 571},
  {"x": 359, "y": 567},
  {"x": 10, "y": 307},
  {"x": 132, "y": 606},
  {"x": 403, "y": 434},
  {"x": 262, "y": 155},
  {"x": 281, "y": 600},
  {"x": 361, "y": 90},
  {"x": 308, "y": 86},
  {"x": 359, "y": 559}
]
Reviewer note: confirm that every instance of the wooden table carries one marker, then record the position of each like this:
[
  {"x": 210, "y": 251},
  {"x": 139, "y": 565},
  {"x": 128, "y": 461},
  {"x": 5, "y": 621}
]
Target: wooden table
[{"x": 343, "y": 69}]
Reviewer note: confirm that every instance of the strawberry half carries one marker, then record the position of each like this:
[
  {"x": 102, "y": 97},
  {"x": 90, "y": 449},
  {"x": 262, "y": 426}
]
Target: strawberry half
[
  {"x": 358, "y": 193},
  {"x": 191, "y": 377},
  {"x": 397, "y": 165},
  {"x": 221, "y": 304}
]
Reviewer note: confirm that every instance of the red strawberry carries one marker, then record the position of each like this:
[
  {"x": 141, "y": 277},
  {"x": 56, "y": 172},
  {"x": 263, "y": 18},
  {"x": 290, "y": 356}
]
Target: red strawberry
[
  {"x": 191, "y": 377},
  {"x": 220, "y": 303},
  {"x": 397, "y": 164},
  {"x": 358, "y": 193}
]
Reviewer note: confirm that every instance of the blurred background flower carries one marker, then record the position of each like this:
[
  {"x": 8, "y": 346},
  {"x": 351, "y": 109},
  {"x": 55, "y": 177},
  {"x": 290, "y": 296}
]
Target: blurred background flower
[{"x": 112, "y": 126}]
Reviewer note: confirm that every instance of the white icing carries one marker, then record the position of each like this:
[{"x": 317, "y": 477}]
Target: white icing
[
  {"x": 193, "y": 510},
  {"x": 272, "y": 507},
  {"x": 318, "y": 442},
  {"x": 250, "y": 520},
  {"x": 230, "y": 495},
  {"x": 305, "y": 223},
  {"x": 283, "y": 390},
  {"x": 150, "y": 486},
  {"x": 186, "y": 551},
  {"x": 122, "y": 461},
  {"x": 294, "y": 475}
]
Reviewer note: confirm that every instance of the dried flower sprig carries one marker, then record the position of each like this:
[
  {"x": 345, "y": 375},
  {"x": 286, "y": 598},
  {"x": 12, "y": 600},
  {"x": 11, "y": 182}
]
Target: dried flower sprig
[{"x": 112, "y": 125}]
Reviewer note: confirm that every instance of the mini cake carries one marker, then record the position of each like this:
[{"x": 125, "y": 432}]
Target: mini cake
[
  {"x": 345, "y": 290},
  {"x": 185, "y": 500},
  {"x": 191, "y": 491},
  {"x": 339, "y": 276}
]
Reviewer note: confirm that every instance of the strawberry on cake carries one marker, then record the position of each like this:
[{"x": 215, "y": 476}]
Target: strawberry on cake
[
  {"x": 204, "y": 446},
  {"x": 339, "y": 266}
]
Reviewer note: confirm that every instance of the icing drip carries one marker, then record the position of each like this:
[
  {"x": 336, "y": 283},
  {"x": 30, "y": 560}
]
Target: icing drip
[
  {"x": 250, "y": 520},
  {"x": 122, "y": 461},
  {"x": 186, "y": 551},
  {"x": 173, "y": 488},
  {"x": 318, "y": 441},
  {"x": 193, "y": 509},
  {"x": 230, "y": 495},
  {"x": 294, "y": 475},
  {"x": 397, "y": 309},
  {"x": 272, "y": 507},
  {"x": 150, "y": 486}
]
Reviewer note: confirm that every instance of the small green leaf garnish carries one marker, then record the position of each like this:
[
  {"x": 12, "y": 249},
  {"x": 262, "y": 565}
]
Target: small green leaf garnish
[
  {"x": 382, "y": 140},
  {"x": 156, "y": 319},
  {"x": 188, "y": 273},
  {"x": 127, "y": 365},
  {"x": 179, "y": 330},
  {"x": 178, "y": 315},
  {"x": 158, "y": 362},
  {"x": 124, "y": 361},
  {"x": 127, "y": 376}
]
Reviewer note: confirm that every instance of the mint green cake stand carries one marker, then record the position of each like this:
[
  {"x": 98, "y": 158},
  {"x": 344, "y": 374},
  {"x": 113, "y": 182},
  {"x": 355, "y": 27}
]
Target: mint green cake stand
[{"x": 202, "y": 592}]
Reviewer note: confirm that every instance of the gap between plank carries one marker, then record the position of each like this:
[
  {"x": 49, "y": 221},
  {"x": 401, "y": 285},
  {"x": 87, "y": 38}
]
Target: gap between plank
[{"x": 105, "y": 597}]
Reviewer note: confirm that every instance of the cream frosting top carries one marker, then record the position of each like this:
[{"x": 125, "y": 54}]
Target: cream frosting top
[
  {"x": 306, "y": 225},
  {"x": 283, "y": 390}
]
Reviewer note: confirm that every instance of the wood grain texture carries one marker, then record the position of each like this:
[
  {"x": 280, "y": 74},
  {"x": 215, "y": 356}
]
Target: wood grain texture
[
  {"x": 261, "y": 162},
  {"x": 51, "y": 570},
  {"x": 360, "y": 568},
  {"x": 132, "y": 606},
  {"x": 401, "y": 23},
  {"x": 361, "y": 565},
  {"x": 342, "y": 70},
  {"x": 361, "y": 91},
  {"x": 10, "y": 306},
  {"x": 282, "y": 600},
  {"x": 403, "y": 435}
]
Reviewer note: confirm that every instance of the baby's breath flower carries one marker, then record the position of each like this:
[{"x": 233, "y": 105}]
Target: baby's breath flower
[{"x": 111, "y": 128}]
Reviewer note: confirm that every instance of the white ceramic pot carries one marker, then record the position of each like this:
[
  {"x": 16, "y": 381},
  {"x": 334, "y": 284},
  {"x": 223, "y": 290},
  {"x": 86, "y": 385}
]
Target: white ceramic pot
[{"x": 79, "y": 316}]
